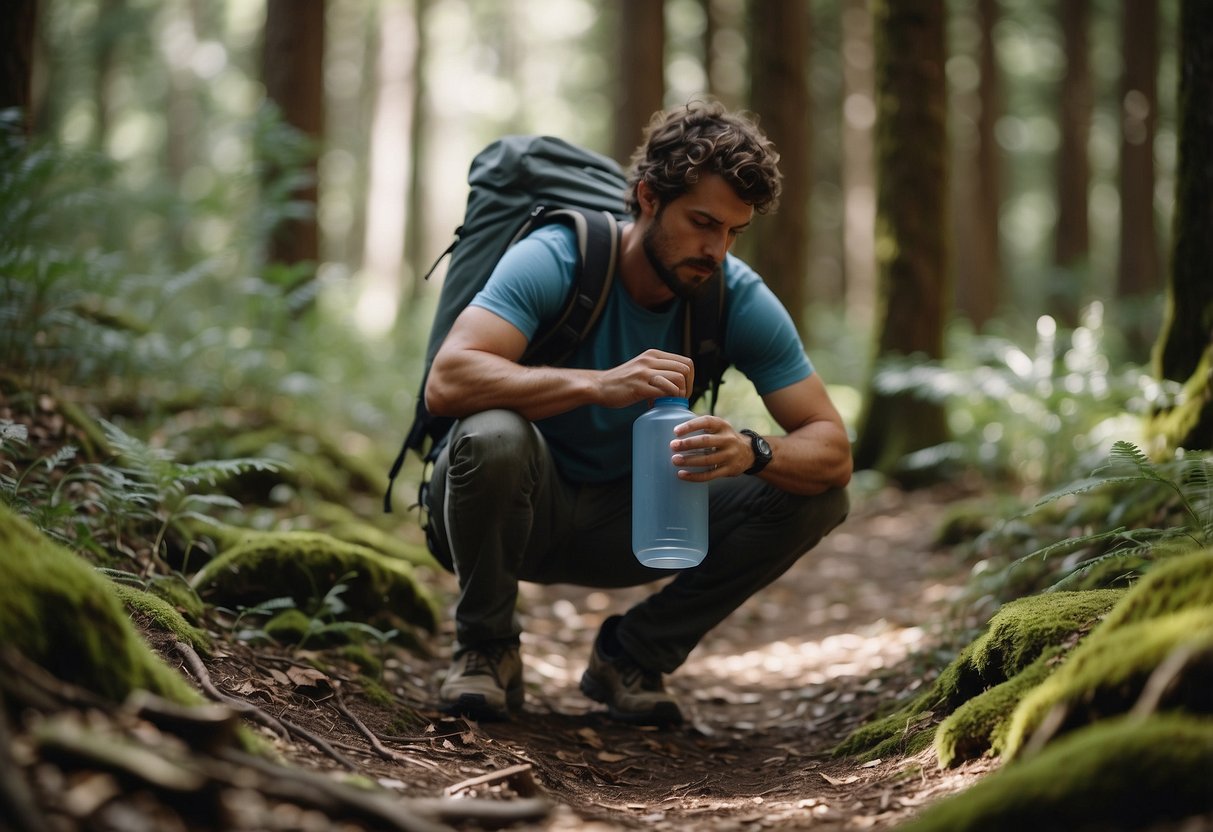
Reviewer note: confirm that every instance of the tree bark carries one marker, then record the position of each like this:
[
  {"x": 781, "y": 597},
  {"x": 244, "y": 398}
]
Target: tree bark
[
  {"x": 858, "y": 168},
  {"x": 979, "y": 278},
  {"x": 1072, "y": 243},
  {"x": 641, "y": 72},
  {"x": 911, "y": 246},
  {"x": 1140, "y": 266},
  {"x": 1184, "y": 351},
  {"x": 780, "y": 98},
  {"x": 293, "y": 73}
]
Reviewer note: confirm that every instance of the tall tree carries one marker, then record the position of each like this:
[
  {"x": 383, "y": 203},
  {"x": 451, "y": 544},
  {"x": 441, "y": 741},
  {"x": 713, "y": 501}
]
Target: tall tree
[
  {"x": 16, "y": 56},
  {"x": 1072, "y": 243},
  {"x": 1140, "y": 266},
  {"x": 1184, "y": 350},
  {"x": 641, "y": 71},
  {"x": 911, "y": 218},
  {"x": 780, "y": 98},
  {"x": 856, "y": 159},
  {"x": 293, "y": 73},
  {"x": 415, "y": 213},
  {"x": 979, "y": 194}
]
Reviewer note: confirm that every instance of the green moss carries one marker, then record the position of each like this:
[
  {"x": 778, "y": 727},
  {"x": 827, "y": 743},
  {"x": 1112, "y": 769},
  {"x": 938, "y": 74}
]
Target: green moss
[
  {"x": 1119, "y": 774},
  {"x": 363, "y": 658},
  {"x": 62, "y": 614},
  {"x": 1105, "y": 675},
  {"x": 176, "y": 591},
  {"x": 382, "y": 591},
  {"x": 980, "y": 725},
  {"x": 289, "y": 626},
  {"x": 377, "y": 693},
  {"x": 1021, "y": 631},
  {"x": 1178, "y": 583},
  {"x": 1017, "y": 634},
  {"x": 163, "y": 616}
]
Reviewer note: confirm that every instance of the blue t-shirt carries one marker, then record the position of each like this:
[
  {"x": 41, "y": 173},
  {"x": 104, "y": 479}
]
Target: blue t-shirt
[{"x": 593, "y": 444}]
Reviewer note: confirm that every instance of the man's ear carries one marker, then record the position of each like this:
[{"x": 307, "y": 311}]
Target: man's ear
[{"x": 647, "y": 198}]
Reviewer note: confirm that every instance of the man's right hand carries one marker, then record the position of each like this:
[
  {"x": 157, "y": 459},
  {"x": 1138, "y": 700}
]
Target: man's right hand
[{"x": 650, "y": 375}]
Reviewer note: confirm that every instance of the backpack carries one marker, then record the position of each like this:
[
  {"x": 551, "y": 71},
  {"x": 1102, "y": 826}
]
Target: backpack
[{"x": 521, "y": 183}]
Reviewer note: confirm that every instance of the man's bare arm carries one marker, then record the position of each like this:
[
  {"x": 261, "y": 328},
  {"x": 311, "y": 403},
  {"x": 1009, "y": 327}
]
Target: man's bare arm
[{"x": 477, "y": 369}]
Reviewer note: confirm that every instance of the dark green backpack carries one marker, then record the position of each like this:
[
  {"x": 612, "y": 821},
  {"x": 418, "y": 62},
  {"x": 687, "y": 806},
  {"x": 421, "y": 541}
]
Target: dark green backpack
[{"x": 518, "y": 184}]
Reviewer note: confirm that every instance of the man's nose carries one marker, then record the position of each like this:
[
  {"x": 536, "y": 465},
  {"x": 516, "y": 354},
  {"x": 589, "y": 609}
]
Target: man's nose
[{"x": 716, "y": 246}]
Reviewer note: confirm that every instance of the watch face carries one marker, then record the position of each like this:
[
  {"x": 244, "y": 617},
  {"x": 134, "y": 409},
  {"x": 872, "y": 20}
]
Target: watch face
[{"x": 761, "y": 446}]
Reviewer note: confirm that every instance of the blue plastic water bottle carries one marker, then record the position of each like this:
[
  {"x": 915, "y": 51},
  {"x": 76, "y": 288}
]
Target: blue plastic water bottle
[{"x": 669, "y": 515}]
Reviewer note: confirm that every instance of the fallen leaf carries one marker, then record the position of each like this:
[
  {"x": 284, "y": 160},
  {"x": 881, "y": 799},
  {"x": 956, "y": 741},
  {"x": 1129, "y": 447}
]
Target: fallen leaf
[
  {"x": 871, "y": 763},
  {"x": 611, "y": 757},
  {"x": 590, "y": 737},
  {"x": 836, "y": 781}
]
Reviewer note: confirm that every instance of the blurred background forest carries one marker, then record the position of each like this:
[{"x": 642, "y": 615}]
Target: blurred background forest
[{"x": 232, "y": 207}]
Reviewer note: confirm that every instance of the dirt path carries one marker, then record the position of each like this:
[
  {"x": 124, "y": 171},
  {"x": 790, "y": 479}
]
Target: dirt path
[{"x": 768, "y": 694}]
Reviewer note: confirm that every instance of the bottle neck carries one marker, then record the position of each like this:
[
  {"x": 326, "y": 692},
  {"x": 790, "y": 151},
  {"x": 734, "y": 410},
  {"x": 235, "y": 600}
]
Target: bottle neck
[{"x": 671, "y": 401}]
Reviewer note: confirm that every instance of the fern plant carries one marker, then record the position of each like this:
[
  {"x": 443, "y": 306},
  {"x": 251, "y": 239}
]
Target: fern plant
[
  {"x": 108, "y": 508},
  {"x": 1103, "y": 529}
]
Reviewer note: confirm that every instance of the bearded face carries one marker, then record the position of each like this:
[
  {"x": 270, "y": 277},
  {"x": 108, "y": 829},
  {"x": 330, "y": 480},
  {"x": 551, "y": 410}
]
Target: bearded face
[{"x": 684, "y": 276}]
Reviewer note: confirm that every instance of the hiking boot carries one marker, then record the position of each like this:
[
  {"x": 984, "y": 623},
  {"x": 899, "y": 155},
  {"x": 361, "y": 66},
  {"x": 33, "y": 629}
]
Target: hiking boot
[
  {"x": 631, "y": 693},
  {"x": 484, "y": 682}
]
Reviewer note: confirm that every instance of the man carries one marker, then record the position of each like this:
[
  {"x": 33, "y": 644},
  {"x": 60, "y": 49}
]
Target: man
[{"x": 535, "y": 484}]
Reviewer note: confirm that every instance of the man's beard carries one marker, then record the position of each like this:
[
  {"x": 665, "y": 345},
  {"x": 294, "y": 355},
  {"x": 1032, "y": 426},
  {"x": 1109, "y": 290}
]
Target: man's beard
[{"x": 652, "y": 244}]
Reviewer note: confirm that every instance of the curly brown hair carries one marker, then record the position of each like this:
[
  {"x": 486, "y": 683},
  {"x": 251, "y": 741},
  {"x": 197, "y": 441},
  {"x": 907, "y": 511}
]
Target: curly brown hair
[{"x": 704, "y": 137}]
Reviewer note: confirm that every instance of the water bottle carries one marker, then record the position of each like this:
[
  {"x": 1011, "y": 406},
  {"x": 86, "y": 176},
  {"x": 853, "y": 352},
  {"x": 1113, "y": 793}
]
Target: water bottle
[{"x": 669, "y": 515}]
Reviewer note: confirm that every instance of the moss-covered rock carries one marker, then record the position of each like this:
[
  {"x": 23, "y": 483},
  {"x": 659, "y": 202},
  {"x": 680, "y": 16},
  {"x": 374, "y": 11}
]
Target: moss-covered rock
[
  {"x": 980, "y": 725},
  {"x": 163, "y": 616},
  {"x": 1106, "y": 674},
  {"x": 1178, "y": 583},
  {"x": 1120, "y": 774},
  {"x": 1016, "y": 636},
  {"x": 381, "y": 591},
  {"x": 62, "y": 614}
]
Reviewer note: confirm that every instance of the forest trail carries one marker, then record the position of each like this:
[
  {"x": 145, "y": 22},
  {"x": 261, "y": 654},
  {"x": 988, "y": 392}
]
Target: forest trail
[{"x": 767, "y": 695}]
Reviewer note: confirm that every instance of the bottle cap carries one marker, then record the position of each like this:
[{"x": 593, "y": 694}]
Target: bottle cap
[{"x": 679, "y": 400}]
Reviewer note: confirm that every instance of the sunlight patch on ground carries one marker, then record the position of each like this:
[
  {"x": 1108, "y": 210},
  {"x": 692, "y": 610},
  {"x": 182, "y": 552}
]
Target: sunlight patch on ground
[{"x": 816, "y": 662}]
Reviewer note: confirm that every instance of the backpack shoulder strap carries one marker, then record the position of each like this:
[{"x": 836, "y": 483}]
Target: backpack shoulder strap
[
  {"x": 598, "y": 243},
  {"x": 703, "y": 338}
]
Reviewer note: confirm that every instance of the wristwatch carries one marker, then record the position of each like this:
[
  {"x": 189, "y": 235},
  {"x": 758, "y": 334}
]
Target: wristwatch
[{"x": 762, "y": 452}]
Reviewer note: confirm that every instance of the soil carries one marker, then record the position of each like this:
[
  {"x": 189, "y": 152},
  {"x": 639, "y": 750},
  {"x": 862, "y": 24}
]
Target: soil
[{"x": 845, "y": 633}]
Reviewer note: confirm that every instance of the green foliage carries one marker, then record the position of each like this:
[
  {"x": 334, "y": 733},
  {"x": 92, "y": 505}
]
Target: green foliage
[
  {"x": 1033, "y": 416},
  {"x": 1102, "y": 530},
  {"x": 108, "y": 508},
  {"x": 317, "y": 620}
]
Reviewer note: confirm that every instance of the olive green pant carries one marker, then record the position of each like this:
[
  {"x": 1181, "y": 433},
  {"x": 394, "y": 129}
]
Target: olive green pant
[{"x": 501, "y": 513}]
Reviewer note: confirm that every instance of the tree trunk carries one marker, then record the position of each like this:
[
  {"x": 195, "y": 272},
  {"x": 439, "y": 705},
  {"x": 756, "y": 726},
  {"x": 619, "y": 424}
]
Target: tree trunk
[
  {"x": 415, "y": 233},
  {"x": 979, "y": 193},
  {"x": 16, "y": 57},
  {"x": 641, "y": 71},
  {"x": 911, "y": 246},
  {"x": 1072, "y": 244},
  {"x": 387, "y": 185},
  {"x": 780, "y": 98},
  {"x": 724, "y": 51},
  {"x": 293, "y": 73},
  {"x": 1184, "y": 351},
  {"x": 1140, "y": 267},
  {"x": 858, "y": 168}
]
